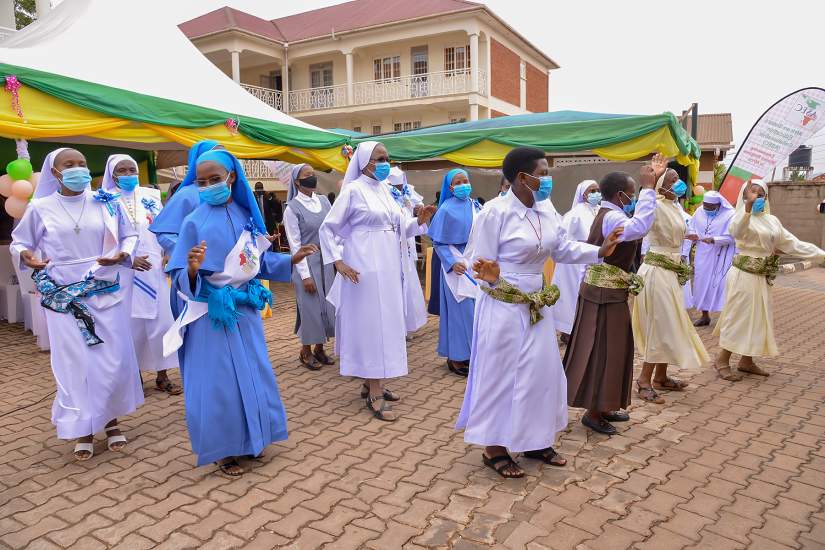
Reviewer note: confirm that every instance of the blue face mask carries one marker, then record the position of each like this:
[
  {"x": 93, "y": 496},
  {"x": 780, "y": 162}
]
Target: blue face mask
[
  {"x": 501, "y": 194},
  {"x": 545, "y": 188},
  {"x": 679, "y": 188},
  {"x": 382, "y": 170},
  {"x": 594, "y": 198},
  {"x": 216, "y": 194},
  {"x": 629, "y": 208},
  {"x": 77, "y": 179},
  {"x": 128, "y": 183},
  {"x": 462, "y": 191},
  {"x": 758, "y": 205},
  {"x": 711, "y": 213}
]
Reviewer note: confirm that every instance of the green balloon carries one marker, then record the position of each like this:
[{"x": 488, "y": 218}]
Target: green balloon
[{"x": 20, "y": 169}]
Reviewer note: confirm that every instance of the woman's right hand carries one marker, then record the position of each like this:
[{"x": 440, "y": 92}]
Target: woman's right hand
[
  {"x": 751, "y": 194},
  {"x": 309, "y": 286},
  {"x": 346, "y": 271},
  {"x": 459, "y": 268},
  {"x": 647, "y": 177},
  {"x": 487, "y": 270},
  {"x": 196, "y": 256},
  {"x": 31, "y": 262}
]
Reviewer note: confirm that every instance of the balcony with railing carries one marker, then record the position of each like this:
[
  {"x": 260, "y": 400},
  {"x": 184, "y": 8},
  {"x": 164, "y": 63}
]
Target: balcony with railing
[{"x": 428, "y": 85}]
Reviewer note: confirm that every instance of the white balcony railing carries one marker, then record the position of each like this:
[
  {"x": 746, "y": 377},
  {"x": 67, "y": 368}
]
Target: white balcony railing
[
  {"x": 273, "y": 98},
  {"x": 326, "y": 97},
  {"x": 417, "y": 86}
]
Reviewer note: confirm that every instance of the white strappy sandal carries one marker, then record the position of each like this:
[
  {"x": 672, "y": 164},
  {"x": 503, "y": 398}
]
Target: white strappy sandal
[
  {"x": 112, "y": 439},
  {"x": 84, "y": 447}
]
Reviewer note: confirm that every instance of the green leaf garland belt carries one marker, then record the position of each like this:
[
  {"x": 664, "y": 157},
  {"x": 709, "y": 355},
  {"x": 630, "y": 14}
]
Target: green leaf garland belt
[
  {"x": 611, "y": 276},
  {"x": 684, "y": 272},
  {"x": 769, "y": 267},
  {"x": 508, "y": 293}
]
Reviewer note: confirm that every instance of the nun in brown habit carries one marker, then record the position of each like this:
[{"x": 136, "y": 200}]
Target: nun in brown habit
[{"x": 598, "y": 361}]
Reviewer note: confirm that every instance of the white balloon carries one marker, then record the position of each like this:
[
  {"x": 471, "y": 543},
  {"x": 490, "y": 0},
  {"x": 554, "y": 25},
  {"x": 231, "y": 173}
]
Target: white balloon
[
  {"x": 16, "y": 207},
  {"x": 22, "y": 189}
]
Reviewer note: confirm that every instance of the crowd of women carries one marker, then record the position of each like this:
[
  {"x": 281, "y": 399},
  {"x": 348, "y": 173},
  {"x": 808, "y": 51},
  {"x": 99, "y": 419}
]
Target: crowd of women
[{"x": 129, "y": 284}]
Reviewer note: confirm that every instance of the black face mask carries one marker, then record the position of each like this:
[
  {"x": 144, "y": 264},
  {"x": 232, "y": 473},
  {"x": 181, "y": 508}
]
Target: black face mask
[{"x": 310, "y": 183}]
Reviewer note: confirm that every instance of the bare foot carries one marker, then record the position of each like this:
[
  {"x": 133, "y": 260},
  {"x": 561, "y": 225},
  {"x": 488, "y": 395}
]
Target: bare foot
[
  {"x": 725, "y": 373},
  {"x": 84, "y": 455}
]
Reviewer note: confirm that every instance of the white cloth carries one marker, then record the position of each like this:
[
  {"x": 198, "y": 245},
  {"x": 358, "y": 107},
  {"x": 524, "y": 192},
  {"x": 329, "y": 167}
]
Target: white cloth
[
  {"x": 360, "y": 158},
  {"x": 94, "y": 383},
  {"x": 711, "y": 262},
  {"x": 48, "y": 183},
  {"x": 516, "y": 394},
  {"x": 368, "y": 231},
  {"x": 635, "y": 227},
  {"x": 293, "y": 230},
  {"x": 415, "y": 308}
]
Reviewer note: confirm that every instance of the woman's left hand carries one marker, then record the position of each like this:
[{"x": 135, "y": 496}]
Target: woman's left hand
[
  {"x": 611, "y": 242},
  {"x": 708, "y": 240},
  {"x": 303, "y": 252},
  {"x": 487, "y": 270},
  {"x": 141, "y": 263},
  {"x": 114, "y": 260},
  {"x": 426, "y": 214}
]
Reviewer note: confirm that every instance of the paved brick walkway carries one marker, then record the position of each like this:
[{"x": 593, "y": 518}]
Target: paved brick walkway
[{"x": 722, "y": 466}]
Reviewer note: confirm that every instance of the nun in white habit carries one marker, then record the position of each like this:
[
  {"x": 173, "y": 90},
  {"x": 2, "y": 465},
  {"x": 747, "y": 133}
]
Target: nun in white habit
[
  {"x": 568, "y": 277},
  {"x": 365, "y": 235},
  {"x": 146, "y": 292},
  {"x": 86, "y": 240}
]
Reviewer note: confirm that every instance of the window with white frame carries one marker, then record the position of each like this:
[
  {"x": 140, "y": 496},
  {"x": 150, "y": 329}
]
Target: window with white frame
[
  {"x": 387, "y": 68},
  {"x": 356, "y": 129},
  {"x": 376, "y": 129},
  {"x": 406, "y": 126},
  {"x": 457, "y": 59},
  {"x": 457, "y": 116},
  {"x": 320, "y": 75}
]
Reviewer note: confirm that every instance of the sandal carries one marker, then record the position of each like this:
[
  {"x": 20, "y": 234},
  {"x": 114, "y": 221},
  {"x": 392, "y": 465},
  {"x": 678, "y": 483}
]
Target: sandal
[
  {"x": 83, "y": 448},
  {"x": 669, "y": 384},
  {"x": 725, "y": 373},
  {"x": 753, "y": 369},
  {"x": 311, "y": 363},
  {"x": 229, "y": 466},
  {"x": 166, "y": 385},
  {"x": 548, "y": 456},
  {"x": 457, "y": 367},
  {"x": 389, "y": 395},
  {"x": 379, "y": 412},
  {"x": 500, "y": 463},
  {"x": 112, "y": 440},
  {"x": 701, "y": 322},
  {"x": 323, "y": 358},
  {"x": 649, "y": 394}
]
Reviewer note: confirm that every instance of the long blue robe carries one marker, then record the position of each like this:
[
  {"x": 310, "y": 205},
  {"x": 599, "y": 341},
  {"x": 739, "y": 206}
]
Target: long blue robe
[{"x": 233, "y": 406}]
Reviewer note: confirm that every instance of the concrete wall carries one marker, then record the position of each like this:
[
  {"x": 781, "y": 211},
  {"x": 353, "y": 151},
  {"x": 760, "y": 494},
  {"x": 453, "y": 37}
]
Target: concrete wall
[{"x": 795, "y": 204}]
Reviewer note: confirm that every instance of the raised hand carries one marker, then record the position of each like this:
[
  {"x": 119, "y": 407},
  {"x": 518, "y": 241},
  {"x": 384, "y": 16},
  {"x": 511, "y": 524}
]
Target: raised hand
[
  {"x": 114, "y": 260},
  {"x": 346, "y": 271},
  {"x": 31, "y": 262},
  {"x": 659, "y": 164},
  {"x": 425, "y": 214},
  {"x": 611, "y": 242},
  {"x": 303, "y": 252},
  {"x": 195, "y": 258},
  {"x": 141, "y": 263},
  {"x": 647, "y": 177},
  {"x": 487, "y": 270}
]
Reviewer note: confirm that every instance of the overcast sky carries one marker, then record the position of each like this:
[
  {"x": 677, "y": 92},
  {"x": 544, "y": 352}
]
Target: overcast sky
[{"x": 646, "y": 56}]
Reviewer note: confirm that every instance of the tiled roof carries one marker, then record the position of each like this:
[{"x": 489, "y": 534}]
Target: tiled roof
[
  {"x": 713, "y": 130},
  {"x": 226, "y": 18}
]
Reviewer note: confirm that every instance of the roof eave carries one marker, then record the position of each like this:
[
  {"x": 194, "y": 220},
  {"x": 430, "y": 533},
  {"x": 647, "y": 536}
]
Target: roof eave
[{"x": 237, "y": 30}]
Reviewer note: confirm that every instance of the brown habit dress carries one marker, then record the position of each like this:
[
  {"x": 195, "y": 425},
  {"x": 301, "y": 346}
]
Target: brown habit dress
[{"x": 599, "y": 358}]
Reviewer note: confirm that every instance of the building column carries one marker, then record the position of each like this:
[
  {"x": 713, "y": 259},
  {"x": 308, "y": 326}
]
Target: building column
[
  {"x": 350, "y": 78},
  {"x": 285, "y": 80},
  {"x": 474, "y": 63},
  {"x": 523, "y": 85},
  {"x": 473, "y": 111},
  {"x": 236, "y": 66}
]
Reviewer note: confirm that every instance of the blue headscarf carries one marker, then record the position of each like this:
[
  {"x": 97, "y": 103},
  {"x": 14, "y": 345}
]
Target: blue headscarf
[
  {"x": 454, "y": 218},
  {"x": 185, "y": 199},
  {"x": 242, "y": 193}
]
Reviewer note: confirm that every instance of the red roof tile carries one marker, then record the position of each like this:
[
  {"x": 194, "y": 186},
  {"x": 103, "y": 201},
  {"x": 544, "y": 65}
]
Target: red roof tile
[{"x": 226, "y": 18}]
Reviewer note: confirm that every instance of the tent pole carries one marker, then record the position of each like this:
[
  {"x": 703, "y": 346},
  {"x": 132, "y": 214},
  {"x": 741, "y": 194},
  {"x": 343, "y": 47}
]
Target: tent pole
[{"x": 153, "y": 167}]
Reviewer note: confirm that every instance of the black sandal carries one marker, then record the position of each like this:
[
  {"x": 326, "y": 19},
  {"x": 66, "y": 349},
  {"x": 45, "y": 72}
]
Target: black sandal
[
  {"x": 646, "y": 393},
  {"x": 379, "y": 413},
  {"x": 456, "y": 367},
  {"x": 225, "y": 468},
  {"x": 669, "y": 384},
  {"x": 323, "y": 358},
  {"x": 547, "y": 455},
  {"x": 389, "y": 395},
  {"x": 168, "y": 386},
  {"x": 311, "y": 363},
  {"x": 503, "y": 461}
]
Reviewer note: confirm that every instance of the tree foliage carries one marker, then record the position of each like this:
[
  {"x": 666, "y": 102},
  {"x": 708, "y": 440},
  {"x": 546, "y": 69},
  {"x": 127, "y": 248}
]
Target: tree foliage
[{"x": 24, "y": 13}]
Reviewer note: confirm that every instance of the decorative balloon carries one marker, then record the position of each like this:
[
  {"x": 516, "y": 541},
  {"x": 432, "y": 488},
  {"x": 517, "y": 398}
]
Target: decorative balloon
[
  {"x": 5, "y": 185},
  {"x": 22, "y": 189},
  {"x": 16, "y": 207},
  {"x": 20, "y": 169}
]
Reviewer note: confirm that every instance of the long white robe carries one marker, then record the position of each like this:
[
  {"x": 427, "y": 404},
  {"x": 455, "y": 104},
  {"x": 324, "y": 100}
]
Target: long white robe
[
  {"x": 147, "y": 292},
  {"x": 711, "y": 262},
  {"x": 568, "y": 277},
  {"x": 415, "y": 309},
  {"x": 516, "y": 393},
  {"x": 368, "y": 231},
  {"x": 94, "y": 383}
]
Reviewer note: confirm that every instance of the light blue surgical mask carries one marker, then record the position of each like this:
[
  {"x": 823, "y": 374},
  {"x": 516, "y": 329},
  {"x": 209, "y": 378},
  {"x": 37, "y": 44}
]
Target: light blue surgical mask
[
  {"x": 77, "y": 179},
  {"x": 128, "y": 183},
  {"x": 594, "y": 198},
  {"x": 758, "y": 205},
  {"x": 545, "y": 188},
  {"x": 462, "y": 191},
  {"x": 502, "y": 193},
  {"x": 711, "y": 213},
  {"x": 679, "y": 188},
  {"x": 382, "y": 170},
  {"x": 216, "y": 194},
  {"x": 629, "y": 208}
]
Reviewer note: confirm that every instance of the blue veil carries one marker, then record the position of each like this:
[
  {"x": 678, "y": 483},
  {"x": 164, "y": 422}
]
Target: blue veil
[{"x": 454, "y": 218}]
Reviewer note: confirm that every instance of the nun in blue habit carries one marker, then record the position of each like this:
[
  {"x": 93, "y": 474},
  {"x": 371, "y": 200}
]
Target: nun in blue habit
[
  {"x": 166, "y": 225},
  {"x": 233, "y": 407},
  {"x": 450, "y": 231}
]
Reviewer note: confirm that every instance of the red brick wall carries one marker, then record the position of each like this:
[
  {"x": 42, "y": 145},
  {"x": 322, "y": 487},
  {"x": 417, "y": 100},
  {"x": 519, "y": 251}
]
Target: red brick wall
[
  {"x": 537, "y": 82},
  {"x": 505, "y": 77},
  {"x": 496, "y": 114}
]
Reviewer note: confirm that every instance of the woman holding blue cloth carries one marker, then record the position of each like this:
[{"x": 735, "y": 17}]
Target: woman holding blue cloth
[
  {"x": 450, "y": 231},
  {"x": 166, "y": 224},
  {"x": 233, "y": 407}
]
